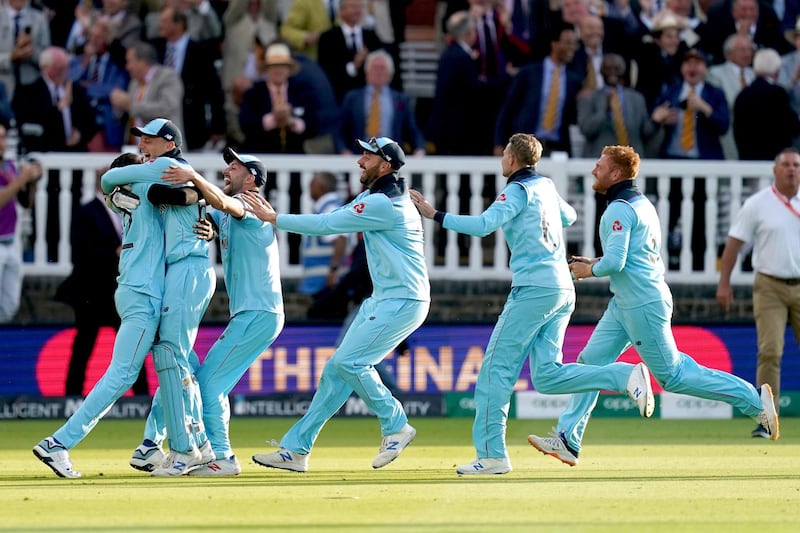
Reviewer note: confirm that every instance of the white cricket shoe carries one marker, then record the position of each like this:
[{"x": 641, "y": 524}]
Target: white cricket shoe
[
  {"x": 392, "y": 445},
  {"x": 55, "y": 455},
  {"x": 206, "y": 453},
  {"x": 556, "y": 446},
  {"x": 178, "y": 463},
  {"x": 283, "y": 459},
  {"x": 640, "y": 390},
  {"x": 768, "y": 418},
  {"x": 485, "y": 466},
  {"x": 147, "y": 456},
  {"x": 219, "y": 467}
]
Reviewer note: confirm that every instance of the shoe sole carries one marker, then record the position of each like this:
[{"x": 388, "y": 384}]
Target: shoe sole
[
  {"x": 276, "y": 467},
  {"x": 769, "y": 406},
  {"x": 552, "y": 454},
  {"x": 484, "y": 472},
  {"x": 650, "y": 402},
  {"x": 44, "y": 458}
]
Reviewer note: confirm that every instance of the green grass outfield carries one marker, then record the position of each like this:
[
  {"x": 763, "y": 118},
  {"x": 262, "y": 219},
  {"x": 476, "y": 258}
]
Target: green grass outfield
[{"x": 634, "y": 475}]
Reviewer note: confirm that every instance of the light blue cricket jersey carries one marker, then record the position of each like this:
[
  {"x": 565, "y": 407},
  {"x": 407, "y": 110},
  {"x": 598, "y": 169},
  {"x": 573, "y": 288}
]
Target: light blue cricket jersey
[
  {"x": 141, "y": 261},
  {"x": 631, "y": 237},
  {"x": 532, "y": 215},
  {"x": 250, "y": 262},
  {"x": 393, "y": 237},
  {"x": 179, "y": 220}
]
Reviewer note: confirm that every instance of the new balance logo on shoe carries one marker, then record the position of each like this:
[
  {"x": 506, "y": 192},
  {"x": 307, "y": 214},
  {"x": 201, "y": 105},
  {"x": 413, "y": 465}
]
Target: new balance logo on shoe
[{"x": 286, "y": 456}]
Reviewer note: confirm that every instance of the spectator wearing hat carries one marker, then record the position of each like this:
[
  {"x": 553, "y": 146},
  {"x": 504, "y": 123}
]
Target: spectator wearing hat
[
  {"x": 392, "y": 231},
  {"x": 732, "y": 76},
  {"x": 154, "y": 91},
  {"x": 278, "y": 113},
  {"x": 764, "y": 122},
  {"x": 789, "y": 77},
  {"x": 694, "y": 113},
  {"x": 659, "y": 58},
  {"x": 252, "y": 279}
]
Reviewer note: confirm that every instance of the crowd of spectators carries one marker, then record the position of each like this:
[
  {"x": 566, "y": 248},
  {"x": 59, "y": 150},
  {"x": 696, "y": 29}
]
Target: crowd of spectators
[{"x": 304, "y": 76}]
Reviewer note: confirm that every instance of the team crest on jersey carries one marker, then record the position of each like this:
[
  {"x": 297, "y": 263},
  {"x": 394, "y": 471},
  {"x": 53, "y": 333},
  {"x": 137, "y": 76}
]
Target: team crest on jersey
[
  {"x": 501, "y": 198},
  {"x": 358, "y": 208},
  {"x": 616, "y": 226}
]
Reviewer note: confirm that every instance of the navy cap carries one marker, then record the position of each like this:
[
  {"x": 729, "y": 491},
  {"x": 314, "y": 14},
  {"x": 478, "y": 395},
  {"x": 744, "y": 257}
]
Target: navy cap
[
  {"x": 386, "y": 149},
  {"x": 255, "y": 166},
  {"x": 160, "y": 127}
]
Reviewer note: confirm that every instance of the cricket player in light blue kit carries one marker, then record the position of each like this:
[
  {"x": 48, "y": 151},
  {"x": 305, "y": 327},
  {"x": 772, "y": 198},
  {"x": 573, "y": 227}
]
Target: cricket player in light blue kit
[
  {"x": 138, "y": 301},
  {"x": 251, "y": 264},
  {"x": 400, "y": 300},
  {"x": 640, "y": 312},
  {"x": 535, "y": 316},
  {"x": 188, "y": 286}
]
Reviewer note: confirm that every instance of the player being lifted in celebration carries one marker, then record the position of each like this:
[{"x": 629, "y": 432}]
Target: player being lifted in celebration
[
  {"x": 535, "y": 316},
  {"x": 251, "y": 265},
  {"x": 392, "y": 231},
  {"x": 640, "y": 312}
]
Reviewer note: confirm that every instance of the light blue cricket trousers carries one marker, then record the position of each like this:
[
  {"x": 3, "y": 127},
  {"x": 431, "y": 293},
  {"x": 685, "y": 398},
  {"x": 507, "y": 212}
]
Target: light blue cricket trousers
[
  {"x": 188, "y": 288},
  {"x": 139, "y": 315},
  {"x": 379, "y": 326},
  {"x": 533, "y": 324},
  {"x": 648, "y": 328},
  {"x": 246, "y": 337}
]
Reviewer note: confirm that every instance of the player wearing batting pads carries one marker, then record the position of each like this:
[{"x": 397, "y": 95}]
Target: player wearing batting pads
[
  {"x": 188, "y": 286},
  {"x": 399, "y": 303},
  {"x": 138, "y": 301},
  {"x": 640, "y": 312},
  {"x": 252, "y": 276},
  {"x": 534, "y": 319}
]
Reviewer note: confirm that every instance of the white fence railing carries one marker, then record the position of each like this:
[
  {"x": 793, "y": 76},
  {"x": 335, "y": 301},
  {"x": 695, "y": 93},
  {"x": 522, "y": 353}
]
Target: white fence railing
[{"x": 701, "y": 196}]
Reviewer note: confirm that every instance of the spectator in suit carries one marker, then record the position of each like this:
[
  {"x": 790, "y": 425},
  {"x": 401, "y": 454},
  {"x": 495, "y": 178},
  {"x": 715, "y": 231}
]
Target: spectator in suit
[
  {"x": 53, "y": 114},
  {"x": 95, "y": 71},
  {"x": 529, "y": 24},
  {"x": 154, "y": 91},
  {"x": 748, "y": 17},
  {"x": 589, "y": 55},
  {"x": 202, "y": 22},
  {"x": 344, "y": 48},
  {"x": 732, "y": 76},
  {"x": 542, "y": 98},
  {"x": 597, "y": 115},
  {"x": 278, "y": 113},
  {"x": 789, "y": 77},
  {"x": 693, "y": 113},
  {"x": 376, "y": 110},
  {"x": 24, "y": 35},
  {"x": 127, "y": 27},
  {"x": 459, "y": 90},
  {"x": 764, "y": 122},
  {"x": 203, "y": 99},
  {"x": 89, "y": 289},
  {"x": 304, "y": 23},
  {"x": 659, "y": 58}
]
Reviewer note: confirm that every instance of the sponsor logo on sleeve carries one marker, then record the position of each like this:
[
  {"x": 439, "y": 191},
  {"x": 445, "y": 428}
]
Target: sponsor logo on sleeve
[{"x": 359, "y": 208}]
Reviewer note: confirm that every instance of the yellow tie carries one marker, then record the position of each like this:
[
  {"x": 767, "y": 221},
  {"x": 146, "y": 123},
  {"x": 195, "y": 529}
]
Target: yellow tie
[
  {"x": 374, "y": 117},
  {"x": 742, "y": 78},
  {"x": 687, "y": 131},
  {"x": 619, "y": 119},
  {"x": 279, "y": 100},
  {"x": 551, "y": 110},
  {"x": 591, "y": 75}
]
